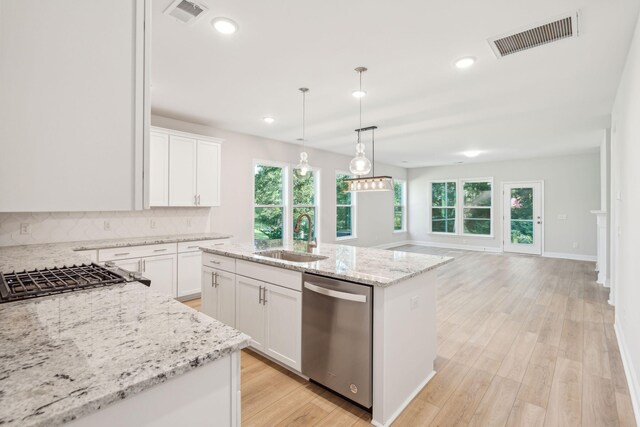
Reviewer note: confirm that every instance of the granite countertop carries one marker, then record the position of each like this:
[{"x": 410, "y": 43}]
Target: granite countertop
[
  {"x": 30, "y": 257},
  {"x": 64, "y": 356},
  {"x": 376, "y": 267}
]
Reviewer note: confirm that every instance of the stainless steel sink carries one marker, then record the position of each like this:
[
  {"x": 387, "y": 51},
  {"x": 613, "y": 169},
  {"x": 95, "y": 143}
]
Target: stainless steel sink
[{"x": 290, "y": 256}]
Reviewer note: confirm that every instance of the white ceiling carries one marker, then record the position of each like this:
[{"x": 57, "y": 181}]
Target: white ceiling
[{"x": 551, "y": 100}]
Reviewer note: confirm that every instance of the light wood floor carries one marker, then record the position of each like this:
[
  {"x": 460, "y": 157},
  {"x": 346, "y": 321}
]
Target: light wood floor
[{"x": 522, "y": 341}]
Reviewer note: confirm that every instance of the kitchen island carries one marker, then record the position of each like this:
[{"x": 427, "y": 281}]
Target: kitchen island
[
  {"x": 264, "y": 283},
  {"x": 116, "y": 355}
]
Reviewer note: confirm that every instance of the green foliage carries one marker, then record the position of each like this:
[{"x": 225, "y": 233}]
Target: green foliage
[
  {"x": 443, "y": 194},
  {"x": 268, "y": 185},
  {"x": 268, "y": 223},
  {"x": 341, "y": 197},
  {"x": 398, "y": 217},
  {"x": 304, "y": 224},
  {"x": 343, "y": 221},
  {"x": 522, "y": 232},
  {"x": 398, "y": 208},
  {"x": 303, "y": 188},
  {"x": 477, "y": 194},
  {"x": 522, "y": 203}
]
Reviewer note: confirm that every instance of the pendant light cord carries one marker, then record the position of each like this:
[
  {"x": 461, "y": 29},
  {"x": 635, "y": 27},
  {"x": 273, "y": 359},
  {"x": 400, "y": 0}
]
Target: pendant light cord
[
  {"x": 304, "y": 95},
  {"x": 360, "y": 105}
]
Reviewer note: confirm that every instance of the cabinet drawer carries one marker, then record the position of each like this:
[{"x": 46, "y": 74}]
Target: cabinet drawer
[
  {"x": 136, "y": 251},
  {"x": 278, "y": 276},
  {"x": 219, "y": 262},
  {"x": 193, "y": 246}
]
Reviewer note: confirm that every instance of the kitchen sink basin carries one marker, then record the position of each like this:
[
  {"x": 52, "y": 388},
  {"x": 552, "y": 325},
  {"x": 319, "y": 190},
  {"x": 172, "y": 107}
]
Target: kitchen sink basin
[{"x": 291, "y": 256}]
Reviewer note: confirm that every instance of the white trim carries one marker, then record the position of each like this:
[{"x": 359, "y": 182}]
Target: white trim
[
  {"x": 287, "y": 212},
  {"x": 453, "y": 246},
  {"x": 403, "y": 205},
  {"x": 576, "y": 257},
  {"x": 629, "y": 371},
  {"x": 354, "y": 210},
  {"x": 406, "y": 403},
  {"x": 187, "y": 134}
]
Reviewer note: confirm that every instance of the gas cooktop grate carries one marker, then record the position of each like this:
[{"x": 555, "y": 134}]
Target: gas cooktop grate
[{"x": 29, "y": 284}]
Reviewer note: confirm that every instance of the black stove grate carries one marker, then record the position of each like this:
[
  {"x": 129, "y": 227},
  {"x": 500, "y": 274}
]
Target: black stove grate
[{"x": 29, "y": 284}]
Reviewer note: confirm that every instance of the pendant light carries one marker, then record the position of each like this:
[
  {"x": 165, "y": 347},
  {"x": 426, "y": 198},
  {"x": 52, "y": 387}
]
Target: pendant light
[
  {"x": 373, "y": 182},
  {"x": 303, "y": 165},
  {"x": 360, "y": 165}
]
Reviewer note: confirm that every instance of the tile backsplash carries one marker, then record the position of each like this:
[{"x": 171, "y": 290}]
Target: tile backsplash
[{"x": 51, "y": 227}]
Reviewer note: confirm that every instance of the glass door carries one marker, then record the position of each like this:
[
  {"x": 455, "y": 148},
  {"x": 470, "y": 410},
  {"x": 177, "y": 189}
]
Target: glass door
[{"x": 522, "y": 220}]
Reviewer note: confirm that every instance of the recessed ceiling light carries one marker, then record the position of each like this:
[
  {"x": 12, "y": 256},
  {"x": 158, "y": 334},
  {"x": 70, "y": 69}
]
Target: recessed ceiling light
[
  {"x": 268, "y": 120},
  {"x": 472, "y": 153},
  {"x": 465, "y": 62},
  {"x": 359, "y": 93},
  {"x": 224, "y": 25}
]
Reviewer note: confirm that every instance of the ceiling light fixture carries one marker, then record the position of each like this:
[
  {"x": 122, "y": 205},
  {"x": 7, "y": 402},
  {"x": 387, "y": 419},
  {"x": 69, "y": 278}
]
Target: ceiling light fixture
[
  {"x": 360, "y": 165},
  {"x": 373, "y": 182},
  {"x": 268, "y": 120},
  {"x": 472, "y": 153},
  {"x": 465, "y": 62},
  {"x": 303, "y": 165},
  {"x": 224, "y": 25},
  {"x": 359, "y": 93}
]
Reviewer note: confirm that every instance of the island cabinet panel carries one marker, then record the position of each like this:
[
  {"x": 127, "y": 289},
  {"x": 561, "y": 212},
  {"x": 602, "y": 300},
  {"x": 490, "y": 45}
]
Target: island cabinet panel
[
  {"x": 250, "y": 310},
  {"x": 189, "y": 273},
  {"x": 219, "y": 295},
  {"x": 208, "y": 395},
  {"x": 74, "y": 104},
  {"x": 283, "y": 325}
]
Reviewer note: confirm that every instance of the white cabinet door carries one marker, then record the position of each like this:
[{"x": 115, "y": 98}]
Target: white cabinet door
[
  {"x": 209, "y": 293},
  {"x": 283, "y": 320},
  {"x": 250, "y": 310},
  {"x": 159, "y": 169},
  {"x": 72, "y": 103},
  {"x": 182, "y": 171},
  {"x": 161, "y": 270},
  {"x": 226, "y": 287},
  {"x": 132, "y": 264},
  {"x": 189, "y": 273},
  {"x": 208, "y": 174}
]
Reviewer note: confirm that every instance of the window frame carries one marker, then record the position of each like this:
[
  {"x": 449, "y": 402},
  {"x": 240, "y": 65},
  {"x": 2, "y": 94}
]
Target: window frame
[
  {"x": 316, "y": 199},
  {"x": 353, "y": 206},
  {"x": 460, "y": 206},
  {"x": 403, "y": 205},
  {"x": 286, "y": 227}
]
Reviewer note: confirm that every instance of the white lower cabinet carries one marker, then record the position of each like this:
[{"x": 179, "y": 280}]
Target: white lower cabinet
[
  {"x": 250, "y": 310},
  {"x": 161, "y": 270},
  {"x": 271, "y": 316},
  {"x": 189, "y": 273},
  {"x": 219, "y": 295},
  {"x": 133, "y": 265}
]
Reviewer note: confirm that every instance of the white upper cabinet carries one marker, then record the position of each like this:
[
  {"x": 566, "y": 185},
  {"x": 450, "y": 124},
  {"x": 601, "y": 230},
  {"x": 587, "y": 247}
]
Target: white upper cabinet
[
  {"x": 159, "y": 169},
  {"x": 190, "y": 176},
  {"x": 208, "y": 174},
  {"x": 182, "y": 171},
  {"x": 74, "y": 104}
]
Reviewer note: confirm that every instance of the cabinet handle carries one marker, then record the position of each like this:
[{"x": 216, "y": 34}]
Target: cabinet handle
[
  {"x": 264, "y": 295},
  {"x": 144, "y": 265},
  {"x": 218, "y": 244},
  {"x": 214, "y": 262},
  {"x": 198, "y": 200},
  {"x": 213, "y": 280},
  {"x": 159, "y": 250},
  {"x": 260, "y": 295},
  {"x": 122, "y": 254},
  {"x": 139, "y": 266}
]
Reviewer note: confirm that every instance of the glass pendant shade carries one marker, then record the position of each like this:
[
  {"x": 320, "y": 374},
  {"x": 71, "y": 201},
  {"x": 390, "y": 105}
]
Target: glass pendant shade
[
  {"x": 360, "y": 165},
  {"x": 303, "y": 165}
]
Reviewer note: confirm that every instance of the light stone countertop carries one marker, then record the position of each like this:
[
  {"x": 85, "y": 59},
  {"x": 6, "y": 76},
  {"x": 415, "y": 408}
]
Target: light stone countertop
[
  {"x": 65, "y": 356},
  {"x": 376, "y": 267},
  {"x": 30, "y": 257}
]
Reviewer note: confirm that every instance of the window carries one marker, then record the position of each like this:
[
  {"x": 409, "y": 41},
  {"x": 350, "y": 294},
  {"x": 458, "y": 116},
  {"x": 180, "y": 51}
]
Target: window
[
  {"x": 345, "y": 209},
  {"x": 269, "y": 201},
  {"x": 305, "y": 201},
  {"x": 443, "y": 207},
  {"x": 462, "y": 201},
  {"x": 477, "y": 207},
  {"x": 399, "y": 205}
]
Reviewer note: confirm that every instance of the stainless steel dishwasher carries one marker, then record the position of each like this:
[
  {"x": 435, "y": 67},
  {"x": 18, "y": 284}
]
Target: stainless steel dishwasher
[{"x": 337, "y": 336}]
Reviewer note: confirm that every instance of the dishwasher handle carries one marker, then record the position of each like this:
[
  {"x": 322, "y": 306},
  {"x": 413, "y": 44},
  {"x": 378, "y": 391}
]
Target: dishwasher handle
[{"x": 335, "y": 294}]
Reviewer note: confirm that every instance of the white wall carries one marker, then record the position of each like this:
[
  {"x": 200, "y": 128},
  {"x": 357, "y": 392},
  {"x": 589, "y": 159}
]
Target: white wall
[
  {"x": 235, "y": 216},
  {"x": 625, "y": 226},
  {"x": 571, "y": 187}
]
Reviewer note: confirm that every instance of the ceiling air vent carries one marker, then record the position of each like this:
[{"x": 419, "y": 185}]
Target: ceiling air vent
[
  {"x": 185, "y": 11},
  {"x": 562, "y": 28}
]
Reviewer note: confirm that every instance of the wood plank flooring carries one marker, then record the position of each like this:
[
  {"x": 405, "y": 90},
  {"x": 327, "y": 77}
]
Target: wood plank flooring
[{"x": 522, "y": 341}]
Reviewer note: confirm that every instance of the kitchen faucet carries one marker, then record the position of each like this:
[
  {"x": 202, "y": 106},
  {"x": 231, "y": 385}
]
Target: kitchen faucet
[{"x": 310, "y": 243}]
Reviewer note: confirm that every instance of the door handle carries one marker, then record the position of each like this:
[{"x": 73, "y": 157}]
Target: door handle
[{"x": 335, "y": 294}]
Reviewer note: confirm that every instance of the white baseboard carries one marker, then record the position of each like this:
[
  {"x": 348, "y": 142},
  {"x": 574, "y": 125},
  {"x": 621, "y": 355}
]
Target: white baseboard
[
  {"x": 453, "y": 246},
  {"x": 406, "y": 403},
  {"x": 576, "y": 257},
  {"x": 629, "y": 371}
]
